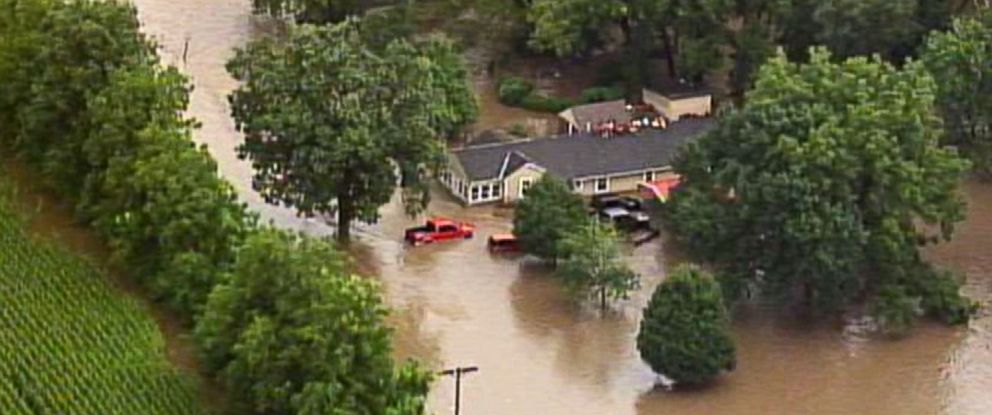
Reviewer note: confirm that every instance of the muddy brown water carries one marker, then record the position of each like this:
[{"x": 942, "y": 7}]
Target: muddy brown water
[{"x": 538, "y": 353}]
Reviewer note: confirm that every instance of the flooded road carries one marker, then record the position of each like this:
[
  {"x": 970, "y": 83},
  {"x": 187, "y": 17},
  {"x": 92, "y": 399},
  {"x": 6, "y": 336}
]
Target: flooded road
[{"x": 540, "y": 354}]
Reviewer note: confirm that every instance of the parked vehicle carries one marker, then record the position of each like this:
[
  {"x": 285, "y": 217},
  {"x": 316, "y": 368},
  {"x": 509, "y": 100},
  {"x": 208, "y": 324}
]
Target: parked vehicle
[
  {"x": 439, "y": 229},
  {"x": 603, "y": 202},
  {"x": 503, "y": 242},
  {"x": 624, "y": 219}
]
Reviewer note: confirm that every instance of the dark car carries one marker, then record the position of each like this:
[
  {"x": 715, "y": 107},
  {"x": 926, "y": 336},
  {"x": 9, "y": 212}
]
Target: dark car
[
  {"x": 503, "y": 242},
  {"x": 601, "y": 203}
]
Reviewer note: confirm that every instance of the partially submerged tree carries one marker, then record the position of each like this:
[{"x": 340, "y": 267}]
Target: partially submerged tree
[
  {"x": 593, "y": 265},
  {"x": 291, "y": 332},
  {"x": 684, "y": 333},
  {"x": 822, "y": 184},
  {"x": 333, "y": 125},
  {"x": 962, "y": 60},
  {"x": 549, "y": 212}
]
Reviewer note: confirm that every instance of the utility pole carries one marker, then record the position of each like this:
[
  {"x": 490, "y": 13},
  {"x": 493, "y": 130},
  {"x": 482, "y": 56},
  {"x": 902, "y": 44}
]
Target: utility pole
[{"x": 458, "y": 372}]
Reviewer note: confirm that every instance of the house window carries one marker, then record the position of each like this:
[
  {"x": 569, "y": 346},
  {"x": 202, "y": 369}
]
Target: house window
[
  {"x": 525, "y": 184},
  {"x": 649, "y": 176},
  {"x": 602, "y": 185},
  {"x": 497, "y": 190},
  {"x": 475, "y": 194},
  {"x": 578, "y": 184},
  {"x": 486, "y": 189}
]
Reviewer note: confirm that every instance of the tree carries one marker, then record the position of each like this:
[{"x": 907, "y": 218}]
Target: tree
[
  {"x": 684, "y": 331},
  {"x": 291, "y": 332},
  {"x": 550, "y": 212},
  {"x": 20, "y": 41},
  {"x": 309, "y": 11},
  {"x": 82, "y": 43},
  {"x": 820, "y": 185},
  {"x": 332, "y": 125},
  {"x": 865, "y": 27},
  {"x": 570, "y": 27},
  {"x": 593, "y": 266},
  {"x": 962, "y": 60}
]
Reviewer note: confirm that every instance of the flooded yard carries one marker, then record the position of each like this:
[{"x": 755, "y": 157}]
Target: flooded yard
[{"x": 538, "y": 353}]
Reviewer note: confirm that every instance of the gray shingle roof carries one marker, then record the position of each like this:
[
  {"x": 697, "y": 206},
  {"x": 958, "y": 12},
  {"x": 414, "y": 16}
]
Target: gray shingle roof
[{"x": 583, "y": 155}]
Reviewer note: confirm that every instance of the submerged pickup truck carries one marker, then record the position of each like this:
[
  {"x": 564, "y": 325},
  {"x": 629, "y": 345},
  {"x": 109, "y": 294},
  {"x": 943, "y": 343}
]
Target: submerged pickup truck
[{"x": 439, "y": 229}]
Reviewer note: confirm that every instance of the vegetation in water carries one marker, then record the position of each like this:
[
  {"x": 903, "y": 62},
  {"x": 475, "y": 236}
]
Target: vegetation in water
[
  {"x": 684, "y": 333},
  {"x": 72, "y": 344},
  {"x": 593, "y": 266},
  {"x": 549, "y": 213},
  {"x": 826, "y": 184},
  {"x": 337, "y": 129},
  {"x": 961, "y": 59}
]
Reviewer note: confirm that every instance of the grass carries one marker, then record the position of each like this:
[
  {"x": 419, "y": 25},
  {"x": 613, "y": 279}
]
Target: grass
[{"x": 70, "y": 343}]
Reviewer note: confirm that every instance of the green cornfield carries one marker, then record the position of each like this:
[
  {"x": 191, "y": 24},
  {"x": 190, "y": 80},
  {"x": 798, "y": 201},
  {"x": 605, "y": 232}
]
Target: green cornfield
[{"x": 72, "y": 344}]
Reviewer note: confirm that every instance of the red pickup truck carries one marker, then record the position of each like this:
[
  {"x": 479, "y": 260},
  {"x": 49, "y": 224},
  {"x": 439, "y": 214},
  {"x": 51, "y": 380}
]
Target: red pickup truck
[{"x": 438, "y": 229}]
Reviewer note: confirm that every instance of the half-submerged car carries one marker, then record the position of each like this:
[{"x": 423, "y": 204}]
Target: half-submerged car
[
  {"x": 503, "y": 242},
  {"x": 439, "y": 229}
]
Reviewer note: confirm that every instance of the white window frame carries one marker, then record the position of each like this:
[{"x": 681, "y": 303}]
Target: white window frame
[
  {"x": 474, "y": 192},
  {"x": 650, "y": 175},
  {"x": 605, "y": 189},
  {"x": 578, "y": 184},
  {"x": 497, "y": 190},
  {"x": 522, "y": 188}
]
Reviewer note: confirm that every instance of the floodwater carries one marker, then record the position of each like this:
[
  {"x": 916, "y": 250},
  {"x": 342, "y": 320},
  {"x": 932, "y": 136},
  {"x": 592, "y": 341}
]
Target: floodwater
[{"x": 538, "y": 353}]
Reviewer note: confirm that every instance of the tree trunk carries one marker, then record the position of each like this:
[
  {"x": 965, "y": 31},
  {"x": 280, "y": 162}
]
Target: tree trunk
[
  {"x": 666, "y": 39},
  {"x": 602, "y": 299},
  {"x": 346, "y": 214}
]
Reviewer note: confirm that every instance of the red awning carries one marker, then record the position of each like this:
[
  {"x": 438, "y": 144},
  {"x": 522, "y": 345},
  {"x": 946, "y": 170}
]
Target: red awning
[{"x": 659, "y": 189}]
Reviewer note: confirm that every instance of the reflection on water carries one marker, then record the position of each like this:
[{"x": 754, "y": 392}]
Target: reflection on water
[{"x": 539, "y": 353}]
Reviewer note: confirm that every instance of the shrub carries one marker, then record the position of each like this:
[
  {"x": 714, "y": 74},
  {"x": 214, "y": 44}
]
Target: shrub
[
  {"x": 895, "y": 310},
  {"x": 684, "y": 332},
  {"x": 513, "y": 90},
  {"x": 941, "y": 299},
  {"x": 549, "y": 212},
  {"x": 601, "y": 93},
  {"x": 544, "y": 103}
]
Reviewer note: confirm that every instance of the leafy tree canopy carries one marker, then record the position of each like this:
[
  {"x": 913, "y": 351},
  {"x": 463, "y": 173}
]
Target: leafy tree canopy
[
  {"x": 293, "y": 333},
  {"x": 81, "y": 44},
  {"x": 309, "y": 11},
  {"x": 684, "y": 334},
  {"x": 962, "y": 60},
  {"x": 332, "y": 125},
  {"x": 549, "y": 213},
  {"x": 821, "y": 185},
  {"x": 593, "y": 265}
]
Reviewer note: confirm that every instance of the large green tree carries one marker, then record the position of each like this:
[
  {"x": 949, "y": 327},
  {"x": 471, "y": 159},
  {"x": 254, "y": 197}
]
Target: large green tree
[
  {"x": 823, "y": 184},
  {"x": 550, "y": 212},
  {"x": 292, "y": 332},
  {"x": 962, "y": 60},
  {"x": 310, "y": 11},
  {"x": 333, "y": 125},
  {"x": 81, "y": 44},
  {"x": 684, "y": 334},
  {"x": 20, "y": 40},
  {"x": 593, "y": 265}
]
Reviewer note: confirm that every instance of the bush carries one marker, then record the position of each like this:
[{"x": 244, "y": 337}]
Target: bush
[
  {"x": 895, "y": 310},
  {"x": 684, "y": 332},
  {"x": 549, "y": 212},
  {"x": 544, "y": 103},
  {"x": 513, "y": 90},
  {"x": 601, "y": 93},
  {"x": 941, "y": 299}
]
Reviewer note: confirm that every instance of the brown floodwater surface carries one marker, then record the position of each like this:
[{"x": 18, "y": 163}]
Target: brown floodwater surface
[{"x": 539, "y": 353}]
